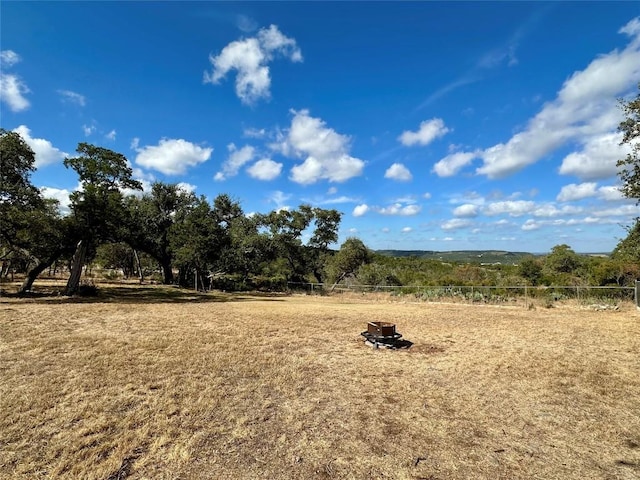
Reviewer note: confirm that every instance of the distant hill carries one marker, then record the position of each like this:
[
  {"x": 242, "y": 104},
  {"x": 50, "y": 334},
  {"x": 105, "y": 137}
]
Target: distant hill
[
  {"x": 462, "y": 256},
  {"x": 473, "y": 256}
]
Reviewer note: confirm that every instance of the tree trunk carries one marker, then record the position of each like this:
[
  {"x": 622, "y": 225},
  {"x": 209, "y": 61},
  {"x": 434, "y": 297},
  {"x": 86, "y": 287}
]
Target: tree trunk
[
  {"x": 40, "y": 267},
  {"x": 167, "y": 273},
  {"x": 138, "y": 266},
  {"x": 344, "y": 274},
  {"x": 76, "y": 268}
]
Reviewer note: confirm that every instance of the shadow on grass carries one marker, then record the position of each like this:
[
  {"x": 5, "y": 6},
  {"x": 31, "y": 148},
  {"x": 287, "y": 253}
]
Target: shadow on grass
[{"x": 142, "y": 294}]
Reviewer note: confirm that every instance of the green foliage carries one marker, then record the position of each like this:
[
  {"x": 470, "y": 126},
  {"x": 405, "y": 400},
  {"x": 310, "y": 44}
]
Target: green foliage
[
  {"x": 531, "y": 270},
  {"x": 562, "y": 259},
  {"x": 150, "y": 219},
  {"x": 352, "y": 254},
  {"x": 630, "y": 165}
]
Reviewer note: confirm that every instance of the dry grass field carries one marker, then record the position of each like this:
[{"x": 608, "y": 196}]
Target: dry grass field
[{"x": 156, "y": 383}]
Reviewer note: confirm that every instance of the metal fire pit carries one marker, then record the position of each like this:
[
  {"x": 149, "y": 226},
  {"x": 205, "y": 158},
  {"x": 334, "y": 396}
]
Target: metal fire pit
[{"x": 381, "y": 334}]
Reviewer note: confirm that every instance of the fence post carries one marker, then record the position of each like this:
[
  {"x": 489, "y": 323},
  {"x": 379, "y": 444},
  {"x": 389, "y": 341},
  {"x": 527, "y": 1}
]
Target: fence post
[{"x": 637, "y": 294}]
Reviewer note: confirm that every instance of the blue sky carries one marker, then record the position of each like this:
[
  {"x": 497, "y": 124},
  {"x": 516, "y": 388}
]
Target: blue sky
[{"x": 433, "y": 126}]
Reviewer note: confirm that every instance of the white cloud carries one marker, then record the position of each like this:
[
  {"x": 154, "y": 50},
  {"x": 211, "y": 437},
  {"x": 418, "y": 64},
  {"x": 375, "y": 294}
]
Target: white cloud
[
  {"x": 186, "y": 187},
  {"x": 513, "y": 208},
  {"x": 456, "y": 224},
  {"x": 111, "y": 135},
  {"x": 172, "y": 156},
  {"x": 610, "y": 193},
  {"x": 254, "y": 133},
  {"x": 332, "y": 191},
  {"x": 399, "y": 209},
  {"x": 336, "y": 200},
  {"x": 407, "y": 230},
  {"x": 45, "y": 152},
  {"x": 572, "y": 192},
  {"x": 426, "y": 195},
  {"x": 89, "y": 129},
  {"x": 550, "y": 210},
  {"x": 385, "y": 230},
  {"x": 584, "y": 108},
  {"x": 597, "y": 159},
  {"x": 280, "y": 199},
  {"x": 326, "y": 151},
  {"x": 12, "y": 91},
  {"x": 8, "y": 58},
  {"x": 399, "y": 172},
  {"x": 237, "y": 159},
  {"x": 360, "y": 210},
  {"x": 429, "y": 131},
  {"x": 12, "y": 88},
  {"x": 250, "y": 58},
  {"x": 72, "y": 97},
  {"x": 61, "y": 195},
  {"x": 265, "y": 169},
  {"x": 452, "y": 164},
  {"x": 467, "y": 210},
  {"x": 530, "y": 225}
]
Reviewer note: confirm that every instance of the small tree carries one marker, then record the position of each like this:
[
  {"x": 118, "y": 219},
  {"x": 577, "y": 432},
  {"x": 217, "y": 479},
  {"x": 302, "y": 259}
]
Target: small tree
[{"x": 352, "y": 254}]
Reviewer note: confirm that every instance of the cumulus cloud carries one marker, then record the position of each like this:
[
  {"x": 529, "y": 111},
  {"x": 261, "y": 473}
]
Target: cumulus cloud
[
  {"x": 407, "y": 230},
  {"x": 399, "y": 172},
  {"x": 452, "y": 164},
  {"x": 172, "y": 156},
  {"x": 186, "y": 187},
  {"x": 72, "y": 97},
  {"x": 265, "y": 169},
  {"x": 12, "y": 88},
  {"x": 250, "y": 58},
  {"x": 597, "y": 158},
  {"x": 429, "y": 131},
  {"x": 360, "y": 210},
  {"x": 325, "y": 151},
  {"x": 237, "y": 159},
  {"x": 8, "y": 58},
  {"x": 572, "y": 192},
  {"x": 45, "y": 152},
  {"x": 456, "y": 224},
  {"x": 584, "y": 108},
  {"x": 611, "y": 193},
  {"x": 12, "y": 92},
  {"x": 111, "y": 135},
  {"x": 61, "y": 195},
  {"x": 530, "y": 225},
  {"x": 466, "y": 210},
  {"x": 399, "y": 209},
  {"x": 513, "y": 208}
]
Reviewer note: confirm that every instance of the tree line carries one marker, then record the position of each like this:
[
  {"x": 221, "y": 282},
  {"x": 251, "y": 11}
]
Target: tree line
[
  {"x": 194, "y": 242},
  {"x": 189, "y": 238}
]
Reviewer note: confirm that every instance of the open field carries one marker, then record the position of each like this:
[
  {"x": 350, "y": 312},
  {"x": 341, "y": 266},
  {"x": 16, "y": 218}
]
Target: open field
[{"x": 164, "y": 383}]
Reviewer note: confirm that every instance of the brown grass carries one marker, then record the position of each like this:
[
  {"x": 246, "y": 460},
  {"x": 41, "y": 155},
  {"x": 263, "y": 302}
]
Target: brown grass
[{"x": 162, "y": 383}]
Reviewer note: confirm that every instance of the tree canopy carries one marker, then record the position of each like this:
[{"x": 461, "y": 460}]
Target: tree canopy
[{"x": 630, "y": 165}]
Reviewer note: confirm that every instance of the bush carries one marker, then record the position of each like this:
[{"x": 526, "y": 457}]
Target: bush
[{"x": 87, "y": 289}]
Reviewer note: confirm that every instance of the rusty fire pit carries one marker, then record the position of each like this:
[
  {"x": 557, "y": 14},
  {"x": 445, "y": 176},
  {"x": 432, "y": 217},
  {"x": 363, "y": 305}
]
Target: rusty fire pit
[{"x": 381, "y": 334}]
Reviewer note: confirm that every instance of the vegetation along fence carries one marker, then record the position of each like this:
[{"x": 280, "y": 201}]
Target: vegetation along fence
[{"x": 498, "y": 295}]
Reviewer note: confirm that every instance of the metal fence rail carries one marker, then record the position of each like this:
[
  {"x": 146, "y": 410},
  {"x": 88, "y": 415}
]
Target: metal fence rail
[{"x": 503, "y": 295}]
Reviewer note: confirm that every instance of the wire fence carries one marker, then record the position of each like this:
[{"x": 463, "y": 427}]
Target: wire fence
[{"x": 525, "y": 296}]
